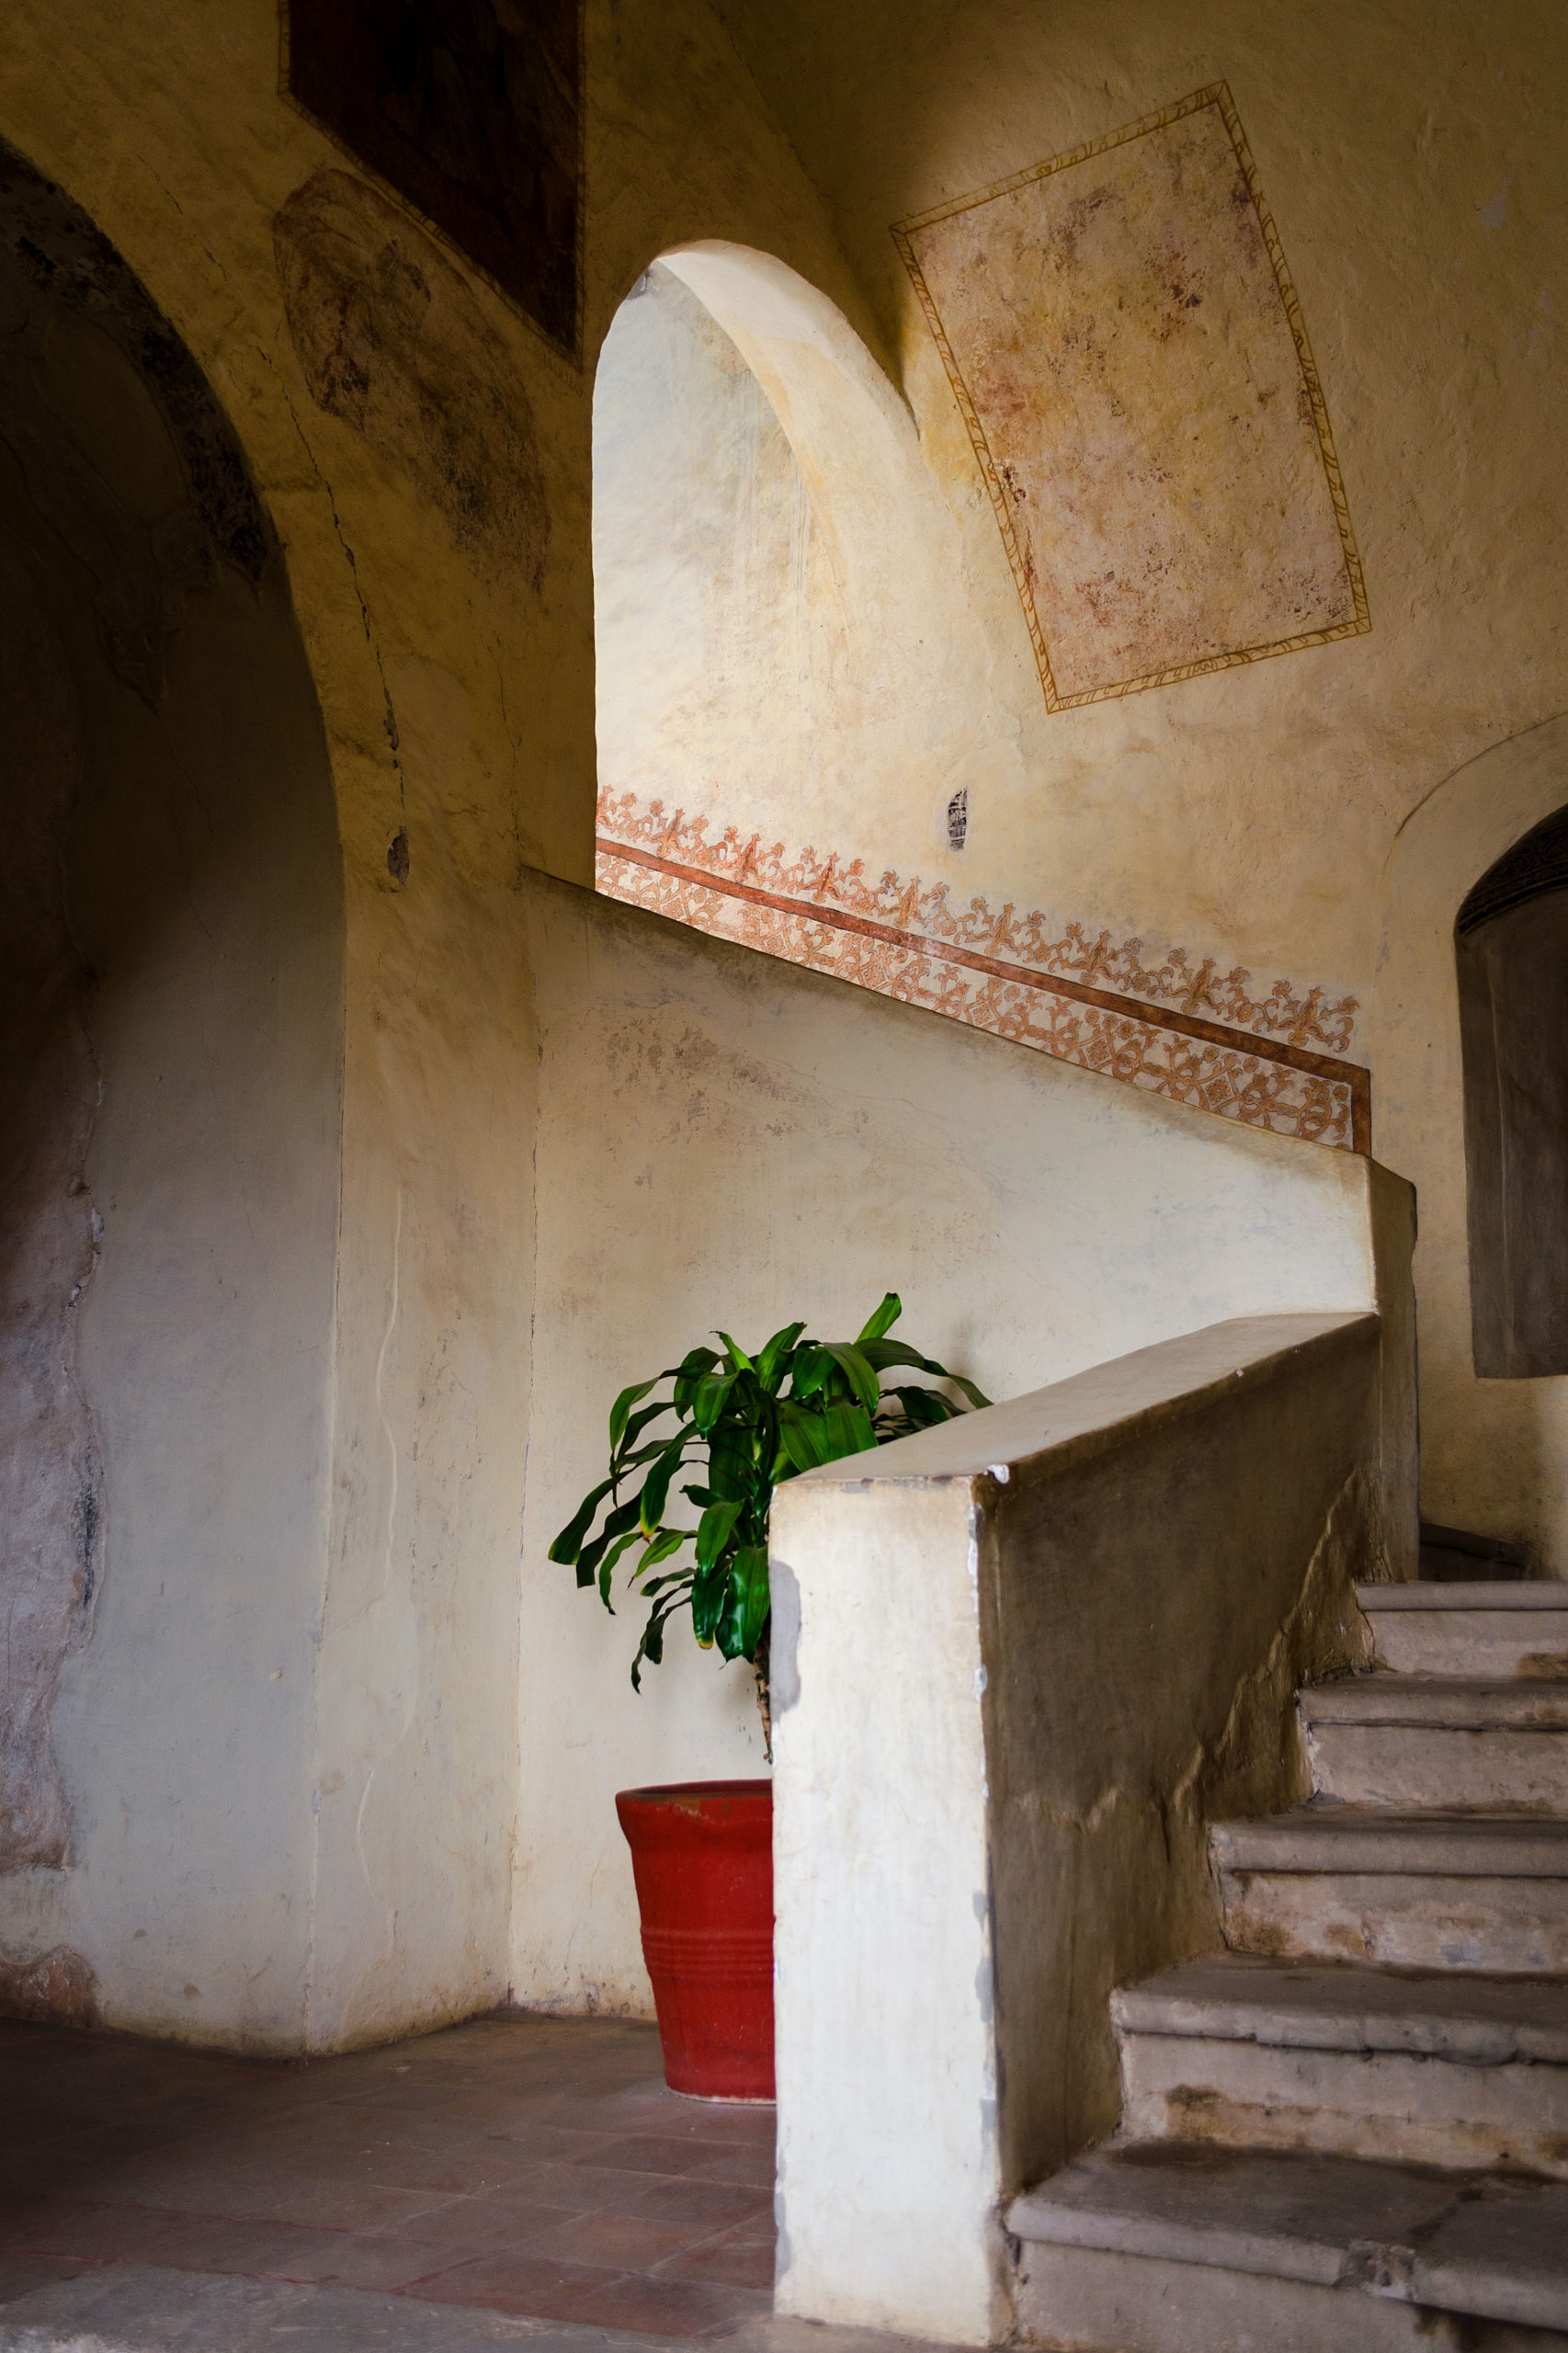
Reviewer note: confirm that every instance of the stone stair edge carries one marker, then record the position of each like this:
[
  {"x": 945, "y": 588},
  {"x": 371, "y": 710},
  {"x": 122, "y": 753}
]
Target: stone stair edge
[
  {"x": 1470, "y": 2018},
  {"x": 1321, "y": 2220},
  {"x": 1374, "y": 1841},
  {"x": 1535, "y": 1593},
  {"x": 1437, "y": 1702}
]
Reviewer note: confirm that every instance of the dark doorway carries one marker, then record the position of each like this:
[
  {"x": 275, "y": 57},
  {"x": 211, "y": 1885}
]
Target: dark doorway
[{"x": 1511, "y": 940}]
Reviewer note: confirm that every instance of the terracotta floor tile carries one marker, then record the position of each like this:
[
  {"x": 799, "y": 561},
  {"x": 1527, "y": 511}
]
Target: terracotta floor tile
[
  {"x": 516, "y": 2283},
  {"x": 572, "y": 2190},
  {"x": 620, "y": 2242},
  {"x": 540, "y": 2168},
  {"x": 88, "y": 2233},
  {"x": 479, "y": 2225},
  {"x": 718, "y": 2205},
  {"x": 319, "y": 2258},
  {"x": 749, "y": 2168},
  {"x": 734, "y": 2259},
  {"x": 672, "y": 2307},
  {"x": 655, "y": 2153}
]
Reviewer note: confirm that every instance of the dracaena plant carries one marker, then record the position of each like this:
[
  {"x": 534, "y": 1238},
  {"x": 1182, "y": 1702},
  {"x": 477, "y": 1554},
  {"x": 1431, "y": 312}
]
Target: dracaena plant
[{"x": 743, "y": 1424}]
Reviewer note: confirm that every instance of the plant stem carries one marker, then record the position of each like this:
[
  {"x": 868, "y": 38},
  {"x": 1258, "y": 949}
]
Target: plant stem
[{"x": 765, "y": 1700}]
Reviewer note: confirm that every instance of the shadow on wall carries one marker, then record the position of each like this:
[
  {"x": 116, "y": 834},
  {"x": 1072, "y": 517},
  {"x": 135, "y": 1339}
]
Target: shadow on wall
[
  {"x": 168, "y": 1092},
  {"x": 1492, "y": 1446}
]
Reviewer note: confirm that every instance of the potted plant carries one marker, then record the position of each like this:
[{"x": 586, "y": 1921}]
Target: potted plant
[{"x": 702, "y": 1851}]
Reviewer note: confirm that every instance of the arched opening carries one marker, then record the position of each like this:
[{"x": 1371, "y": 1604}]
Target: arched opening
[
  {"x": 791, "y": 687},
  {"x": 169, "y": 1044},
  {"x": 1511, "y": 942}
]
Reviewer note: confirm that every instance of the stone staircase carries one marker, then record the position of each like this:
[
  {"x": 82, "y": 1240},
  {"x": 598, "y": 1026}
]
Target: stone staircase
[{"x": 1350, "y": 2128}]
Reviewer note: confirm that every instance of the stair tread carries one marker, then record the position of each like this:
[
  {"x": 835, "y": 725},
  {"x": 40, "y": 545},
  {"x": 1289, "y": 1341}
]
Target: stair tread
[
  {"x": 1535, "y": 1593},
  {"x": 1343, "y": 2006},
  {"x": 1465, "y": 1703},
  {"x": 1493, "y": 2247},
  {"x": 1329, "y": 1837}
]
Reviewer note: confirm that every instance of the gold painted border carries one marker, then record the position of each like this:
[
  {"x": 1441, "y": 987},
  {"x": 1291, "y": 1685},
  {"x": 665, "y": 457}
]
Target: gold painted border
[
  {"x": 1214, "y": 94},
  {"x": 573, "y": 352}
]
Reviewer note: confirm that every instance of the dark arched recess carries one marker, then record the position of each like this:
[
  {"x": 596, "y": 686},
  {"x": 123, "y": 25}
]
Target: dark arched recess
[{"x": 1511, "y": 941}]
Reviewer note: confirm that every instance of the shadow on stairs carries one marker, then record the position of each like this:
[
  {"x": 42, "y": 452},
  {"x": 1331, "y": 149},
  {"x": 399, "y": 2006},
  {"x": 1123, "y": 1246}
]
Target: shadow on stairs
[{"x": 1350, "y": 2130}]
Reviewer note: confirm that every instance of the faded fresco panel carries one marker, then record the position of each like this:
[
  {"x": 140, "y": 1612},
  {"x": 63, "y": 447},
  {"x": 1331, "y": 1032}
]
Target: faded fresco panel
[
  {"x": 1123, "y": 338},
  {"x": 471, "y": 111}
]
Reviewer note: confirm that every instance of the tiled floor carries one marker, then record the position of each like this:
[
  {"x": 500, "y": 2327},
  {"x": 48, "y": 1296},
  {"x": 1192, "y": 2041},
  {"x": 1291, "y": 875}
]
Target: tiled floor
[{"x": 530, "y": 2167}]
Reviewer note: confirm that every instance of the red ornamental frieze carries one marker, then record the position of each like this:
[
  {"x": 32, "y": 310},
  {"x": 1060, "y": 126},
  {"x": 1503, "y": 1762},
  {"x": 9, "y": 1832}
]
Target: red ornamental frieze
[
  {"x": 1308, "y": 1017},
  {"x": 1263, "y": 1060}
]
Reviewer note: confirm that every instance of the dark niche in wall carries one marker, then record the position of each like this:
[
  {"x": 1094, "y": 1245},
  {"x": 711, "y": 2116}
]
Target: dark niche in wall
[
  {"x": 471, "y": 111},
  {"x": 1511, "y": 942}
]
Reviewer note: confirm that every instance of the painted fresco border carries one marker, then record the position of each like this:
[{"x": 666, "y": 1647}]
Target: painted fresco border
[
  {"x": 1215, "y": 93},
  {"x": 1234, "y": 1073}
]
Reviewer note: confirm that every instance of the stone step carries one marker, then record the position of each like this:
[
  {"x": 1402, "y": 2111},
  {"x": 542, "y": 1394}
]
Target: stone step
[
  {"x": 1434, "y": 2068},
  {"x": 1492, "y": 1629},
  {"x": 1409, "y": 1741},
  {"x": 1416, "y": 1891},
  {"x": 1171, "y": 2249}
]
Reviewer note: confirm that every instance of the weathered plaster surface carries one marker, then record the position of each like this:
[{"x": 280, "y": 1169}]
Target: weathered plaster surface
[
  {"x": 310, "y": 1347},
  {"x": 51, "y": 1483},
  {"x": 1005, "y": 1819},
  {"x": 392, "y": 341},
  {"x": 724, "y": 1141},
  {"x": 1144, "y": 407}
]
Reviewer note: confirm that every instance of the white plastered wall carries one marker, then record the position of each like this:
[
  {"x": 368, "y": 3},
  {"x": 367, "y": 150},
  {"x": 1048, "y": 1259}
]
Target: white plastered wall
[{"x": 725, "y": 1140}]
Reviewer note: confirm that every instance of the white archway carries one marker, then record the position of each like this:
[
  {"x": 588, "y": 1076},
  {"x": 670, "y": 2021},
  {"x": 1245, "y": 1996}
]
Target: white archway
[{"x": 845, "y": 706}]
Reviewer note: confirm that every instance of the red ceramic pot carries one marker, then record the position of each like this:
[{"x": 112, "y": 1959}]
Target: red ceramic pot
[{"x": 702, "y": 1857}]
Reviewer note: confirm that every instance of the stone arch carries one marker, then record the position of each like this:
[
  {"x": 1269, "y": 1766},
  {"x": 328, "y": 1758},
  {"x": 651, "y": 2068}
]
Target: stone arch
[{"x": 169, "y": 1071}]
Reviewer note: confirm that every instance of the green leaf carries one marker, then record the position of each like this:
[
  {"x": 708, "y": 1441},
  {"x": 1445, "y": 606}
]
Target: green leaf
[
  {"x": 656, "y": 1492},
  {"x": 606, "y": 1566},
  {"x": 801, "y": 1436},
  {"x": 709, "y": 1595},
  {"x": 569, "y": 1543},
  {"x": 714, "y": 1531},
  {"x": 738, "y": 1356},
  {"x": 682, "y": 1578},
  {"x": 846, "y": 1429},
  {"x": 741, "y": 1629},
  {"x": 639, "y": 1422},
  {"x": 888, "y": 1312},
  {"x": 712, "y": 1396},
  {"x": 770, "y": 1364},
  {"x": 668, "y": 1540},
  {"x": 920, "y": 1409},
  {"x": 652, "y": 1646},
  {"x": 885, "y": 1353},
  {"x": 619, "y": 1521},
  {"x": 689, "y": 1371},
  {"x": 622, "y": 1407},
  {"x": 857, "y": 1371}
]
